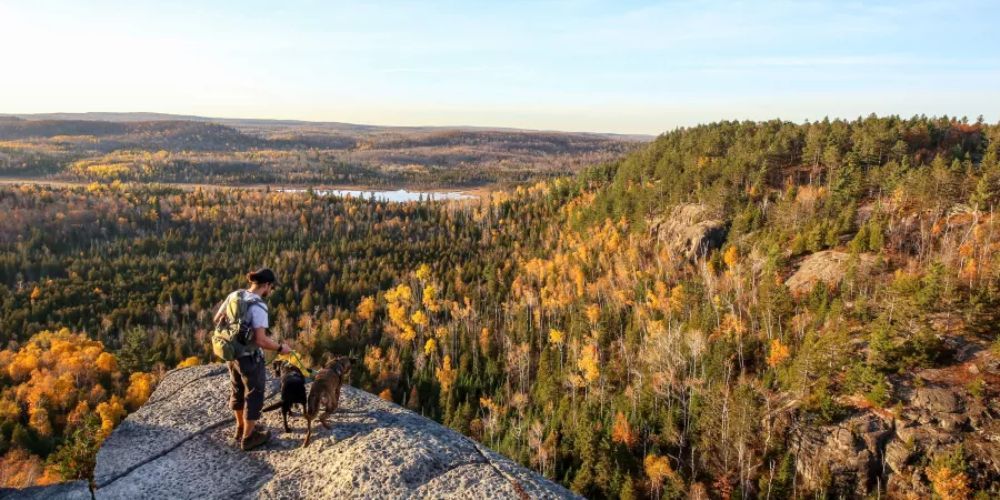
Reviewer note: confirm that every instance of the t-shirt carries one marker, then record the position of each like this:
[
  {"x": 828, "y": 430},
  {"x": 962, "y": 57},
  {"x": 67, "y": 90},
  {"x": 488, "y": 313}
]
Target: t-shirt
[{"x": 257, "y": 312}]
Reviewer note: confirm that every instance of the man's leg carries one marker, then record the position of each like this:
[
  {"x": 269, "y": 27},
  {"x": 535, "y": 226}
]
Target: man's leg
[
  {"x": 248, "y": 427},
  {"x": 240, "y": 423},
  {"x": 254, "y": 378},
  {"x": 237, "y": 398}
]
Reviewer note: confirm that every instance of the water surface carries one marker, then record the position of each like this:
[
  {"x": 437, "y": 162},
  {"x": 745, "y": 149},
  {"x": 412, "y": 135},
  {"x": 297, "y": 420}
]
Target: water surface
[{"x": 399, "y": 195}]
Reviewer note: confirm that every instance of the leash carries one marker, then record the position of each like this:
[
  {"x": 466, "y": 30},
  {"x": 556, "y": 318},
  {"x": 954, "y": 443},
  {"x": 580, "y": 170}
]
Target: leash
[{"x": 308, "y": 372}]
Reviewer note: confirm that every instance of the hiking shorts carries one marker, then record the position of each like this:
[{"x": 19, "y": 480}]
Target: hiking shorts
[{"x": 247, "y": 376}]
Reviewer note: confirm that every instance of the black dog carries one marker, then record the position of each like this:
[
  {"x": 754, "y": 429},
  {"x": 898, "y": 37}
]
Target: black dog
[{"x": 293, "y": 390}]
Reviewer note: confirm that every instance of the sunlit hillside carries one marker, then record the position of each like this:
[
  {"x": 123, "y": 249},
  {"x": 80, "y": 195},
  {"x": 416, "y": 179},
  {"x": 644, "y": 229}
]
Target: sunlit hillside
[{"x": 738, "y": 310}]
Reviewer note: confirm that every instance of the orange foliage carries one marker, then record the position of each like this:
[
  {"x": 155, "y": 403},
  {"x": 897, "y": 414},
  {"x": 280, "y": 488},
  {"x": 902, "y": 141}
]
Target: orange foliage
[
  {"x": 57, "y": 378},
  {"x": 622, "y": 433},
  {"x": 111, "y": 412},
  {"x": 949, "y": 484},
  {"x": 19, "y": 469},
  {"x": 107, "y": 362},
  {"x": 779, "y": 353}
]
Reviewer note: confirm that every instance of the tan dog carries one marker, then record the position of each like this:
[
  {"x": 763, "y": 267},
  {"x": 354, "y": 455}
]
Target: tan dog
[{"x": 324, "y": 395}]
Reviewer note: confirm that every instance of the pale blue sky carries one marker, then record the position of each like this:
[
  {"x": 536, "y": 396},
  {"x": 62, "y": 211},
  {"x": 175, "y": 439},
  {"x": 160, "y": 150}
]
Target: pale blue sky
[{"x": 616, "y": 66}]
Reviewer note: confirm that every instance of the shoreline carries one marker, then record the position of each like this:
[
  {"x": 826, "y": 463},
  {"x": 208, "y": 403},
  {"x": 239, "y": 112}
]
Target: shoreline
[{"x": 479, "y": 192}]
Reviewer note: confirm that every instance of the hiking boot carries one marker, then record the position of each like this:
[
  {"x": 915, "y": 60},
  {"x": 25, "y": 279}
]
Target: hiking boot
[{"x": 255, "y": 439}]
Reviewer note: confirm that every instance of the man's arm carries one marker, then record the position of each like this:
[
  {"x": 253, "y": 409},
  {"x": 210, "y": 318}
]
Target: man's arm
[
  {"x": 263, "y": 341},
  {"x": 259, "y": 323},
  {"x": 220, "y": 311}
]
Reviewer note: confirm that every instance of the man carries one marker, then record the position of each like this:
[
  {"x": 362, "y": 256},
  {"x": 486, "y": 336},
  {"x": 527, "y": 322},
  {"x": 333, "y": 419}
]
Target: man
[{"x": 247, "y": 373}]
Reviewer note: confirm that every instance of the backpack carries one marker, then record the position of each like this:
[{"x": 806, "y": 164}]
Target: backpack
[{"x": 232, "y": 336}]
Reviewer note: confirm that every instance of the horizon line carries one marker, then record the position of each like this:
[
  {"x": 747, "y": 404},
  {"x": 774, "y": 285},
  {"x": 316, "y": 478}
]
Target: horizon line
[{"x": 192, "y": 117}]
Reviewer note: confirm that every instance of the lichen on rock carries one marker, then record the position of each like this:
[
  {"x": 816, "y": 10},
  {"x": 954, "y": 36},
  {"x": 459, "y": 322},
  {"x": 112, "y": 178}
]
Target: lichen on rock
[{"x": 179, "y": 445}]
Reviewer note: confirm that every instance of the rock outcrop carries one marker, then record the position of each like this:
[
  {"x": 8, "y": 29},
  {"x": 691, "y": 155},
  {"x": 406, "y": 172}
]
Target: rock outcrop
[
  {"x": 890, "y": 450},
  {"x": 73, "y": 490},
  {"x": 846, "y": 458},
  {"x": 179, "y": 445},
  {"x": 690, "y": 230},
  {"x": 827, "y": 266}
]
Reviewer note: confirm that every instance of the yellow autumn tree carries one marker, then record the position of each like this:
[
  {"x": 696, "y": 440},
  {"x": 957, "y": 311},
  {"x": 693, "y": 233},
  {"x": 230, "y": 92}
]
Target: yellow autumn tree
[
  {"x": 191, "y": 361},
  {"x": 446, "y": 375},
  {"x": 430, "y": 298},
  {"x": 593, "y": 313},
  {"x": 38, "y": 419},
  {"x": 658, "y": 470},
  {"x": 588, "y": 363},
  {"x": 556, "y": 337},
  {"x": 111, "y": 412},
  {"x": 107, "y": 363},
  {"x": 731, "y": 257},
  {"x": 949, "y": 484},
  {"x": 366, "y": 309},
  {"x": 423, "y": 272},
  {"x": 948, "y": 477},
  {"x": 677, "y": 297},
  {"x": 139, "y": 388},
  {"x": 419, "y": 318}
]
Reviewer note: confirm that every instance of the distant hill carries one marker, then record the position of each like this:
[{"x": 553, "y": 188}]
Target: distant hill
[
  {"x": 173, "y": 148},
  {"x": 275, "y": 124}
]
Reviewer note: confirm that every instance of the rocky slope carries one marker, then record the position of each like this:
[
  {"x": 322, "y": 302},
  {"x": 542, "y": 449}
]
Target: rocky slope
[
  {"x": 179, "y": 445},
  {"x": 892, "y": 448}
]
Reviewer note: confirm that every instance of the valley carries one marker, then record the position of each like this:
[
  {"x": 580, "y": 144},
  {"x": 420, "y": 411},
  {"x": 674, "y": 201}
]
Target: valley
[
  {"x": 737, "y": 310},
  {"x": 193, "y": 150}
]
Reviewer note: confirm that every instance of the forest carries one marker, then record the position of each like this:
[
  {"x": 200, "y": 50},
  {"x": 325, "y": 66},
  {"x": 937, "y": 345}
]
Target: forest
[
  {"x": 136, "y": 147},
  {"x": 685, "y": 321}
]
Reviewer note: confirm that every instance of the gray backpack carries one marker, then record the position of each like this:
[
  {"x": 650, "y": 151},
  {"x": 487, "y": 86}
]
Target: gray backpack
[{"x": 232, "y": 337}]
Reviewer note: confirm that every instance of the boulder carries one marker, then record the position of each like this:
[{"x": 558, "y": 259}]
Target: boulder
[
  {"x": 179, "y": 445},
  {"x": 936, "y": 400},
  {"x": 690, "y": 230}
]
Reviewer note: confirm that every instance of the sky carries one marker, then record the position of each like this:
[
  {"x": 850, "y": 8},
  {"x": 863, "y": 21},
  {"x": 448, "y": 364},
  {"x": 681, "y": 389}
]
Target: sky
[{"x": 579, "y": 65}]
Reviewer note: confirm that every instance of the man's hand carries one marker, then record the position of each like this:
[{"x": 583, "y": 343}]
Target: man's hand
[{"x": 284, "y": 349}]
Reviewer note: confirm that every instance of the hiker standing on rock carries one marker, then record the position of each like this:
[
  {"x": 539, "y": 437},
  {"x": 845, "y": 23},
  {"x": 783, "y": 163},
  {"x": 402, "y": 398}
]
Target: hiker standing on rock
[{"x": 246, "y": 310}]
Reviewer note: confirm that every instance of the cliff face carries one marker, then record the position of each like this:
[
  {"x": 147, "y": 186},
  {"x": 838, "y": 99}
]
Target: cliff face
[
  {"x": 179, "y": 445},
  {"x": 891, "y": 449}
]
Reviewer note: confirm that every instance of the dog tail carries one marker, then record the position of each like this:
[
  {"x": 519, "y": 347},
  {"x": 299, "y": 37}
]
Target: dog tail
[{"x": 272, "y": 406}]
